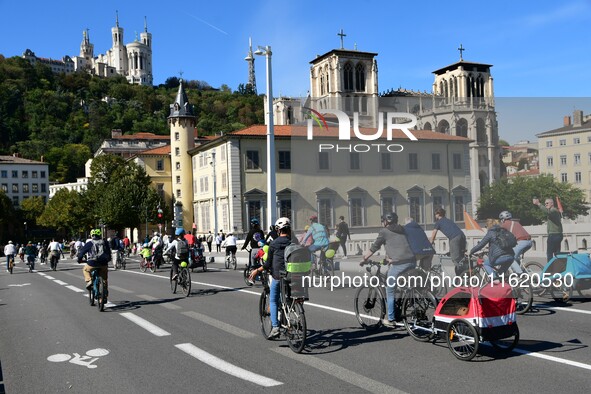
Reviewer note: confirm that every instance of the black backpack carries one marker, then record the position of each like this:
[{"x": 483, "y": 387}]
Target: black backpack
[
  {"x": 101, "y": 255},
  {"x": 505, "y": 239}
]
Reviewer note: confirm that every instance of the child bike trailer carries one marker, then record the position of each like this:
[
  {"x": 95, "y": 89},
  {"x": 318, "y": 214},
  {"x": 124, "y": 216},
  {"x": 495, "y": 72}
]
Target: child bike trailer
[
  {"x": 467, "y": 316},
  {"x": 567, "y": 272}
]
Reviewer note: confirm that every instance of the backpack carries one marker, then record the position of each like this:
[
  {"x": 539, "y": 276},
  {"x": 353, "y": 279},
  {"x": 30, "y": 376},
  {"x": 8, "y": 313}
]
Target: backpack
[
  {"x": 101, "y": 255},
  {"x": 505, "y": 239},
  {"x": 182, "y": 249}
]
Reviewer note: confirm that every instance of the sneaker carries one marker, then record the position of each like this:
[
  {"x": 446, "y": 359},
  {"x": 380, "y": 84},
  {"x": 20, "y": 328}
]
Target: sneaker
[
  {"x": 344, "y": 258},
  {"x": 388, "y": 323},
  {"x": 251, "y": 281},
  {"x": 88, "y": 285},
  {"x": 274, "y": 332}
]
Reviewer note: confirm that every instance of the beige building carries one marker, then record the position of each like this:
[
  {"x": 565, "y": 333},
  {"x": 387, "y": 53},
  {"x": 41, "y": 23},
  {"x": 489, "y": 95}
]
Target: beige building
[{"x": 566, "y": 152}]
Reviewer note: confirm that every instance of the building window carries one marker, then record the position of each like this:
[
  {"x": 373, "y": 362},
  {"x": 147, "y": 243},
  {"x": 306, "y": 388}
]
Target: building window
[
  {"x": 562, "y": 160},
  {"x": 458, "y": 208},
  {"x": 177, "y": 136},
  {"x": 178, "y": 179},
  {"x": 15, "y": 187},
  {"x": 178, "y": 165},
  {"x": 26, "y": 188},
  {"x": 388, "y": 205},
  {"x": 252, "y": 160},
  {"x": 576, "y": 140},
  {"x": 205, "y": 216},
  {"x": 35, "y": 188},
  {"x": 25, "y": 174},
  {"x": 34, "y": 174},
  {"x": 5, "y": 187},
  {"x": 254, "y": 210},
  {"x": 562, "y": 142},
  {"x": 177, "y": 151},
  {"x": 550, "y": 161},
  {"x": 285, "y": 208},
  {"x": 457, "y": 161},
  {"x": 43, "y": 174},
  {"x": 325, "y": 212},
  {"x": 386, "y": 161},
  {"x": 360, "y": 78},
  {"x": 348, "y": 77},
  {"x": 43, "y": 188},
  {"x": 15, "y": 174},
  {"x": 415, "y": 208},
  {"x": 578, "y": 177},
  {"x": 435, "y": 161},
  {"x": 564, "y": 177},
  {"x": 356, "y": 210},
  {"x": 178, "y": 193},
  {"x": 437, "y": 203},
  {"x": 15, "y": 200},
  {"x": 354, "y": 163},
  {"x": 4, "y": 174},
  {"x": 577, "y": 159},
  {"x": 323, "y": 163},
  {"x": 223, "y": 153},
  {"x": 224, "y": 181},
  {"x": 413, "y": 162},
  {"x": 284, "y": 160},
  {"x": 548, "y": 144},
  {"x": 160, "y": 165}
]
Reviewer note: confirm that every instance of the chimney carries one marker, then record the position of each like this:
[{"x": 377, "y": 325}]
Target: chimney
[
  {"x": 116, "y": 133},
  {"x": 42, "y": 158},
  {"x": 578, "y": 118},
  {"x": 566, "y": 121}
]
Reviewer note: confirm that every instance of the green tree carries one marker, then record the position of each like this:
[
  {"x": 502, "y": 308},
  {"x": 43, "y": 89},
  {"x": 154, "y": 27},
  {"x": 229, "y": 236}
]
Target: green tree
[
  {"x": 67, "y": 212},
  {"x": 7, "y": 217},
  {"x": 32, "y": 208},
  {"x": 515, "y": 195}
]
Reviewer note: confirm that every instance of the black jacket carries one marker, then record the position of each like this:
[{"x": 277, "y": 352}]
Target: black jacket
[{"x": 276, "y": 256}]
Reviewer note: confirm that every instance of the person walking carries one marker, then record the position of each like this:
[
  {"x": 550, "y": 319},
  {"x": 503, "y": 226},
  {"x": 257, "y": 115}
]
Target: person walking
[
  {"x": 342, "y": 233},
  {"x": 419, "y": 243},
  {"x": 218, "y": 242},
  {"x": 209, "y": 240},
  {"x": 554, "y": 226}
]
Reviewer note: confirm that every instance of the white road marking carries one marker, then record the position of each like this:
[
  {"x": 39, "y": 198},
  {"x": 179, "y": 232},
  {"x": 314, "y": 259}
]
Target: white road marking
[
  {"x": 163, "y": 304},
  {"x": 74, "y": 288},
  {"x": 143, "y": 323},
  {"x": 59, "y": 282},
  {"x": 49, "y": 277},
  {"x": 560, "y": 308},
  {"x": 220, "y": 325},
  {"x": 552, "y": 358},
  {"x": 339, "y": 372},
  {"x": 225, "y": 366},
  {"x": 20, "y": 285},
  {"x": 41, "y": 273}
]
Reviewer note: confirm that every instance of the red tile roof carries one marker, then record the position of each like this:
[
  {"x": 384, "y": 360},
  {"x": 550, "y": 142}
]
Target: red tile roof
[
  {"x": 142, "y": 136},
  {"x": 532, "y": 172},
  {"x": 163, "y": 150}
]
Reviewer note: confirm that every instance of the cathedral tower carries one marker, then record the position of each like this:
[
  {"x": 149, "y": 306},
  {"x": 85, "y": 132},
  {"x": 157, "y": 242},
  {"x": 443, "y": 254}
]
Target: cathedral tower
[
  {"x": 117, "y": 54},
  {"x": 86, "y": 48}
]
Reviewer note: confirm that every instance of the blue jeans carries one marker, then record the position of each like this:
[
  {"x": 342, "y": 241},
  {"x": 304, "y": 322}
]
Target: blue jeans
[
  {"x": 394, "y": 272},
  {"x": 274, "y": 300},
  {"x": 553, "y": 245},
  {"x": 521, "y": 247},
  {"x": 502, "y": 263}
]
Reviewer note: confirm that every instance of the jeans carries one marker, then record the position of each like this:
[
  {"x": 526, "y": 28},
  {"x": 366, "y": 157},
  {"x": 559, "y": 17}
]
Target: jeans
[
  {"x": 503, "y": 263},
  {"x": 521, "y": 247},
  {"x": 394, "y": 272},
  {"x": 457, "y": 247},
  {"x": 553, "y": 245},
  {"x": 274, "y": 300}
]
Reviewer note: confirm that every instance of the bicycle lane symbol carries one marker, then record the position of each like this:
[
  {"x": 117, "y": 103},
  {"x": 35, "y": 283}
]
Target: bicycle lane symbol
[{"x": 86, "y": 360}]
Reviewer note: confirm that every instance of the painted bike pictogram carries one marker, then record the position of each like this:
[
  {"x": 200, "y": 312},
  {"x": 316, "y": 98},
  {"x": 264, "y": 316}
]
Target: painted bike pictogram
[{"x": 75, "y": 358}]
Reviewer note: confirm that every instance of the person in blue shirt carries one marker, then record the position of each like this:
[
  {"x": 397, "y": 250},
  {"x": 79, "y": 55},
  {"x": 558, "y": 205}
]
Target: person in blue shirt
[
  {"x": 457, "y": 238},
  {"x": 419, "y": 243}
]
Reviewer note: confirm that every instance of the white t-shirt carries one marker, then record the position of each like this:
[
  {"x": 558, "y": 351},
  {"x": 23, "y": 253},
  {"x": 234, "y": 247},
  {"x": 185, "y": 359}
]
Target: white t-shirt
[{"x": 54, "y": 246}]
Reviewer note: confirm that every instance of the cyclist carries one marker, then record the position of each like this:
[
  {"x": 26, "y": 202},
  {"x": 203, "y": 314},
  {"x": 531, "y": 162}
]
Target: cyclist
[
  {"x": 54, "y": 249},
  {"x": 497, "y": 256},
  {"x": 399, "y": 256},
  {"x": 178, "y": 247},
  {"x": 276, "y": 264},
  {"x": 457, "y": 238},
  {"x": 157, "y": 246},
  {"x": 96, "y": 260},
  {"x": 419, "y": 243},
  {"x": 116, "y": 249},
  {"x": 230, "y": 244},
  {"x": 524, "y": 242},
  {"x": 252, "y": 238},
  {"x": 9, "y": 252},
  {"x": 317, "y": 232},
  {"x": 31, "y": 253}
]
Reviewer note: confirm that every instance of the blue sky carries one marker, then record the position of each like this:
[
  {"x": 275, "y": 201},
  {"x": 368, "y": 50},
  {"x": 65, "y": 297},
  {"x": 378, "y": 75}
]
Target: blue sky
[{"x": 537, "y": 48}]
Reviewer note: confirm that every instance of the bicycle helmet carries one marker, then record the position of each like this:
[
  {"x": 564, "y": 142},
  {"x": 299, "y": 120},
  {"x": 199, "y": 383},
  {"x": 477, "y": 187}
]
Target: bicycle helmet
[
  {"x": 261, "y": 243},
  {"x": 313, "y": 218},
  {"x": 505, "y": 215},
  {"x": 179, "y": 231},
  {"x": 96, "y": 232},
  {"x": 390, "y": 217},
  {"x": 254, "y": 221},
  {"x": 282, "y": 223}
]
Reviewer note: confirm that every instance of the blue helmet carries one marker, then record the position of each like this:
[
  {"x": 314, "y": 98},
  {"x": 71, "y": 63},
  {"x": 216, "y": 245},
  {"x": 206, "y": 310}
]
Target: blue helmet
[
  {"x": 179, "y": 231},
  {"x": 254, "y": 221}
]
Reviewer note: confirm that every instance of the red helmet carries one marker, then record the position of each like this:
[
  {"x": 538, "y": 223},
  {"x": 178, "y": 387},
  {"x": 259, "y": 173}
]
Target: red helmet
[{"x": 313, "y": 218}]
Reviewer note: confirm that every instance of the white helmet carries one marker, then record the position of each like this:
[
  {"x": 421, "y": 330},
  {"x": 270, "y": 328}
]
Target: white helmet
[
  {"x": 505, "y": 215},
  {"x": 282, "y": 223}
]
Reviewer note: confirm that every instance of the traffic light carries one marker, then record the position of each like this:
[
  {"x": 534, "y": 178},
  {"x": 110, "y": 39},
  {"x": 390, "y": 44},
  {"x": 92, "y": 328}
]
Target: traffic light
[{"x": 159, "y": 214}]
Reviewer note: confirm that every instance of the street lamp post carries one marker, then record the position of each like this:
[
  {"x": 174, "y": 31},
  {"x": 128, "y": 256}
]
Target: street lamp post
[
  {"x": 215, "y": 197},
  {"x": 271, "y": 197}
]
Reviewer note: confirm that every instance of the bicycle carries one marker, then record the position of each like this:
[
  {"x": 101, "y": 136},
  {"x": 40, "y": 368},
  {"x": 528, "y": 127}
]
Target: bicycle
[
  {"x": 414, "y": 306},
  {"x": 292, "y": 319},
  {"x": 10, "y": 264},
  {"x": 321, "y": 264},
  {"x": 120, "y": 262},
  {"x": 97, "y": 292},
  {"x": 248, "y": 270},
  {"x": 53, "y": 260},
  {"x": 147, "y": 262},
  {"x": 183, "y": 279},
  {"x": 231, "y": 260}
]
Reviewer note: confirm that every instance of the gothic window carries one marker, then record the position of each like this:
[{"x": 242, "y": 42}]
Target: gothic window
[
  {"x": 443, "y": 127},
  {"x": 356, "y": 209},
  {"x": 462, "y": 128},
  {"x": 321, "y": 84},
  {"x": 360, "y": 78},
  {"x": 326, "y": 80},
  {"x": 428, "y": 126},
  {"x": 480, "y": 130},
  {"x": 348, "y": 77}
]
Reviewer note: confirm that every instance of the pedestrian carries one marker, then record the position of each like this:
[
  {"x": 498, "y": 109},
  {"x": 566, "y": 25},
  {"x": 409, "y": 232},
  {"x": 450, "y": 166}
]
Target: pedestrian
[
  {"x": 218, "y": 242},
  {"x": 209, "y": 240},
  {"x": 342, "y": 233},
  {"x": 419, "y": 243},
  {"x": 554, "y": 226},
  {"x": 457, "y": 238}
]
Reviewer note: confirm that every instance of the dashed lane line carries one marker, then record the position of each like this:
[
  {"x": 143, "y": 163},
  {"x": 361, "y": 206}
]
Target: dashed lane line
[
  {"x": 220, "y": 325},
  {"x": 60, "y": 282},
  {"x": 146, "y": 325},
  {"x": 76, "y": 289},
  {"x": 226, "y": 367}
]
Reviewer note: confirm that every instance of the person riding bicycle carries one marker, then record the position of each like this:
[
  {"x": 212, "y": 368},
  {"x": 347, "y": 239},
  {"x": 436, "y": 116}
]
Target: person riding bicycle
[
  {"x": 99, "y": 255},
  {"x": 399, "y": 256},
  {"x": 179, "y": 256},
  {"x": 318, "y": 234},
  {"x": 276, "y": 264},
  {"x": 497, "y": 256},
  {"x": 252, "y": 238},
  {"x": 10, "y": 253},
  {"x": 419, "y": 243},
  {"x": 524, "y": 242},
  {"x": 31, "y": 253},
  {"x": 54, "y": 249},
  {"x": 116, "y": 249},
  {"x": 271, "y": 235},
  {"x": 230, "y": 243},
  {"x": 157, "y": 245}
]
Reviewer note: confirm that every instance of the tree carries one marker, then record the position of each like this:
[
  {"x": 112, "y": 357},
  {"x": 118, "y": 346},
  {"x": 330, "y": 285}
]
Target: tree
[
  {"x": 516, "y": 196},
  {"x": 66, "y": 212},
  {"x": 7, "y": 216},
  {"x": 32, "y": 208},
  {"x": 503, "y": 142}
]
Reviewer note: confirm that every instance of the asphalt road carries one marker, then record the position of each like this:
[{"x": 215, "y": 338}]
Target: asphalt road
[{"x": 149, "y": 340}]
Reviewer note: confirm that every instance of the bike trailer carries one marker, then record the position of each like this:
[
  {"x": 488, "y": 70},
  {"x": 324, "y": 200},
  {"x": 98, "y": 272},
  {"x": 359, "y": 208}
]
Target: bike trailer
[
  {"x": 298, "y": 263},
  {"x": 576, "y": 264},
  {"x": 197, "y": 258},
  {"x": 490, "y": 309}
]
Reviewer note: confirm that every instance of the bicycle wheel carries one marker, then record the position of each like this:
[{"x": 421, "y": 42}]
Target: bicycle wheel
[
  {"x": 123, "y": 263},
  {"x": 173, "y": 283},
  {"x": 143, "y": 265},
  {"x": 185, "y": 281},
  {"x": 100, "y": 294},
  {"x": 53, "y": 264},
  {"x": 296, "y": 328},
  {"x": 246, "y": 274},
  {"x": 118, "y": 264},
  {"x": 265, "y": 313},
  {"x": 462, "y": 339},
  {"x": 329, "y": 267},
  {"x": 507, "y": 344},
  {"x": 560, "y": 292},
  {"x": 91, "y": 295},
  {"x": 524, "y": 297},
  {"x": 11, "y": 266},
  {"x": 227, "y": 263},
  {"x": 152, "y": 266},
  {"x": 234, "y": 262},
  {"x": 370, "y": 307},
  {"x": 418, "y": 309},
  {"x": 204, "y": 265},
  {"x": 533, "y": 268}
]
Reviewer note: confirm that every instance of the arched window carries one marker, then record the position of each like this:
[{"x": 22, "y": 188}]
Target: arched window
[
  {"x": 480, "y": 130},
  {"x": 428, "y": 126},
  {"x": 348, "y": 77},
  {"x": 566, "y": 246},
  {"x": 443, "y": 127},
  {"x": 360, "y": 78},
  {"x": 462, "y": 128},
  {"x": 322, "y": 84},
  {"x": 584, "y": 244},
  {"x": 327, "y": 80}
]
